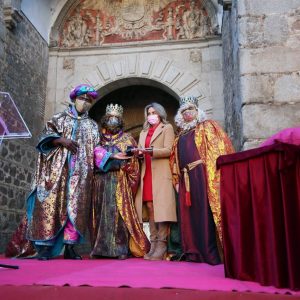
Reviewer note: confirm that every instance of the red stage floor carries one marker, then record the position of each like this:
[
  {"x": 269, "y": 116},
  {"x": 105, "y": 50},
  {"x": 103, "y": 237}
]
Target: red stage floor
[{"x": 181, "y": 279}]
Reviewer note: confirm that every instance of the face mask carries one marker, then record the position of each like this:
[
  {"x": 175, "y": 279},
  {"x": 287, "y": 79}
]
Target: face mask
[
  {"x": 82, "y": 106},
  {"x": 189, "y": 115},
  {"x": 113, "y": 122},
  {"x": 153, "y": 119}
]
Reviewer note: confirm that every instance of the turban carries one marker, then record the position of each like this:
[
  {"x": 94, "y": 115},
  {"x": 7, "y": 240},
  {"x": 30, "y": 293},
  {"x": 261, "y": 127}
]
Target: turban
[{"x": 83, "y": 89}]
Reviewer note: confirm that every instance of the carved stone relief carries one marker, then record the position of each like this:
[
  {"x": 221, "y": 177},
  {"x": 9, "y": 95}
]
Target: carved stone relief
[
  {"x": 196, "y": 56},
  {"x": 94, "y": 23},
  {"x": 68, "y": 63}
]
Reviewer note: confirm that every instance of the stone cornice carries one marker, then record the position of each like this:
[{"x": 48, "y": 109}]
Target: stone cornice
[{"x": 199, "y": 43}]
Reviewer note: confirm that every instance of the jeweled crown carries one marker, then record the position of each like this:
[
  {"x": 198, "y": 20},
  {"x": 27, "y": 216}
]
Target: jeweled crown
[
  {"x": 188, "y": 100},
  {"x": 114, "y": 109}
]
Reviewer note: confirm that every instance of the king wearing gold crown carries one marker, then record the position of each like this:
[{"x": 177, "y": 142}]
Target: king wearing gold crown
[
  {"x": 115, "y": 229},
  {"x": 196, "y": 179}
]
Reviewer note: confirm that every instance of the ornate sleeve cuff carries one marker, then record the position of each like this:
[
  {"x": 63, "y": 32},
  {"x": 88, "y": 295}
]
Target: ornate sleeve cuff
[
  {"x": 45, "y": 143},
  {"x": 101, "y": 156}
]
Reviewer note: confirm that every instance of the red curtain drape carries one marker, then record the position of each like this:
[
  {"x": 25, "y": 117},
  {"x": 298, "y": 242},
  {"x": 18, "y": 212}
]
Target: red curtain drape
[{"x": 260, "y": 203}]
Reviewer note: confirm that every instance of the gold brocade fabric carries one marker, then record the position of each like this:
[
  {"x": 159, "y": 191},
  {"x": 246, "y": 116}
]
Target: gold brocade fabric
[
  {"x": 63, "y": 180},
  {"x": 19, "y": 246},
  {"x": 128, "y": 177},
  {"x": 211, "y": 142},
  {"x": 140, "y": 244},
  {"x": 128, "y": 180}
]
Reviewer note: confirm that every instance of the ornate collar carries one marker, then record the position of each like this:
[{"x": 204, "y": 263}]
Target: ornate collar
[
  {"x": 72, "y": 112},
  {"x": 110, "y": 139}
]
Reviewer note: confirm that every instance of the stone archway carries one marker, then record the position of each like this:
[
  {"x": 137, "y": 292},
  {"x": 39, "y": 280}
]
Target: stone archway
[
  {"x": 145, "y": 69},
  {"x": 184, "y": 65},
  {"x": 134, "y": 94},
  {"x": 164, "y": 81}
]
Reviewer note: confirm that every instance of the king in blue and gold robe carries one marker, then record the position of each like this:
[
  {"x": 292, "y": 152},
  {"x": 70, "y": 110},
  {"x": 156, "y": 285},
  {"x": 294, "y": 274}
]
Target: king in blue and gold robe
[{"x": 61, "y": 191}]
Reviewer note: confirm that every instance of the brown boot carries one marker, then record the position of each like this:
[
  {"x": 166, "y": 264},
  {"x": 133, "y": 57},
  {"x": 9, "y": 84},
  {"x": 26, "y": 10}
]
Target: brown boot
[
  {"x": 152, "y": 250},
  {"x": 160, "y": 251},
  {"x": 153, "y": 238},
  {"x": 161, "y": 246}
]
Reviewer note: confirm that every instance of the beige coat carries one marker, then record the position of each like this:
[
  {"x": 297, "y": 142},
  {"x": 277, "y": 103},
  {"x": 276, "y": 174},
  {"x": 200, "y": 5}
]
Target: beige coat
[{"x": 163, "y": 191}]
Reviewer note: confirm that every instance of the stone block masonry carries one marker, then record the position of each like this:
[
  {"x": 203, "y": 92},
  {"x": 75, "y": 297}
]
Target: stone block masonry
[
  {"x": 231, "y": 76},
  {"x": 23, "y": 69},
  {"x": 265, "y": 78},
  {"x": 269, "y": 40}
]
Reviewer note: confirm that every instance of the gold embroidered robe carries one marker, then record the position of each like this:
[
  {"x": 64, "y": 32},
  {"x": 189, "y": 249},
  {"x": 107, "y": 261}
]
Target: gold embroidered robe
[
  {"x": 62, "y": 185},
  {"x": 211, "y": 142}
]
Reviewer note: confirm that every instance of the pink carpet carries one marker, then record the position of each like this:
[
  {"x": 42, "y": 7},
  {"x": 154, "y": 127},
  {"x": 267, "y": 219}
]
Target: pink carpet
[{"x": 135, "y": 273}]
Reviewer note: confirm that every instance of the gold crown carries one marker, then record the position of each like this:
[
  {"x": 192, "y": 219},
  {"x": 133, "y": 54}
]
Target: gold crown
[
  {"x": 188, "y": 100},
  {"x": 114, "y": 109}
]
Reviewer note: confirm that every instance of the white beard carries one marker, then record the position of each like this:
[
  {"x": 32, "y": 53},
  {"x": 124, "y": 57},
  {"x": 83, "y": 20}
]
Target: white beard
[{"x": 186, "y": 126}]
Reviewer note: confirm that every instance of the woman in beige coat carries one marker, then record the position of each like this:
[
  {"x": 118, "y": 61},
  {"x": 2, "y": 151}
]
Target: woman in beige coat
[{"x": 156, "y": 192}]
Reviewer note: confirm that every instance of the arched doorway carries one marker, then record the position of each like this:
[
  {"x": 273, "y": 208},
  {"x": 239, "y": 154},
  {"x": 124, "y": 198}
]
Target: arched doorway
[
  {"x": 134, "y": 97},
  {"x": 178, "y": 60}
]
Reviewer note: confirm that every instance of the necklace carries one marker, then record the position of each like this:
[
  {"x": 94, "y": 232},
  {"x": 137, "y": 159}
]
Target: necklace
[{"x": 109, "y": 139}]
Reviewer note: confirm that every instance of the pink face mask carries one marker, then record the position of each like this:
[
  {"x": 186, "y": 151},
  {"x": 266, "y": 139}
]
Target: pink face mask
[
  {"x": 189, "y": 115},
  {"x": 153, "y": 119}
]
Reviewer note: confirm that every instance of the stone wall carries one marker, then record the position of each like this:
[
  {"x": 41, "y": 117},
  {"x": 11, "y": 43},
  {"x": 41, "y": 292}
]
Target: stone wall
[
  {"x": 23, "y": 69},
  {"x": 231, "y": 76},
  {"x": 269, "y": 41},
  {"x": 261, "y": 66}
]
